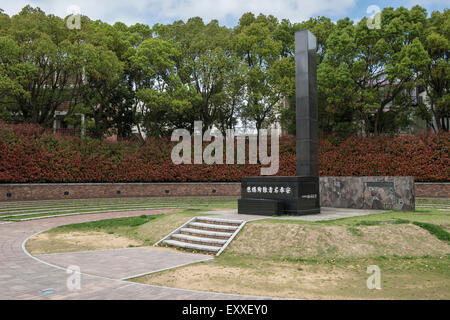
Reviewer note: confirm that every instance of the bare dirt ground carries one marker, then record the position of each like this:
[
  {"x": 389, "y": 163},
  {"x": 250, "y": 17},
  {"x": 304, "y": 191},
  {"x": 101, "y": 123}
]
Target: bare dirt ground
[
  {"x": 304, "y": 281},
  {"x": 308, "y": 241},
  {"x": 322, "y": 262},
  {"x": 159, "y": 228},
  {"x": 77, "y": 241},
  {"x": 55, "y": 241}
]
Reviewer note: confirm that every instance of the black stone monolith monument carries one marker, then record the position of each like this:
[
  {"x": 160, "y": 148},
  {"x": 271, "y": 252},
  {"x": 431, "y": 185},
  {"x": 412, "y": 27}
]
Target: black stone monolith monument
[
  {"x": 297, "y": 195},
  {"x": 306, "y": 104}
]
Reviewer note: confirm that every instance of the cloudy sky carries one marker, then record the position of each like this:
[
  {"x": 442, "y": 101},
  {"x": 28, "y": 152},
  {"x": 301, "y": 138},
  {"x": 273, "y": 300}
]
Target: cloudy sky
[{"x": 226, "y": 11}]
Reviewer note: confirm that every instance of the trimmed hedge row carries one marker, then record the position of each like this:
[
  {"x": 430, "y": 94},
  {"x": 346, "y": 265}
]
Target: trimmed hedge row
[{"x": 29, "y": 153}]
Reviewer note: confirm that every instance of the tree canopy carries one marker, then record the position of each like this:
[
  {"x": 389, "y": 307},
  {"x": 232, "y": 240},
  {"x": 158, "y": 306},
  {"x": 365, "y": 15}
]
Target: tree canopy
[{"x": 168, "y": 76}]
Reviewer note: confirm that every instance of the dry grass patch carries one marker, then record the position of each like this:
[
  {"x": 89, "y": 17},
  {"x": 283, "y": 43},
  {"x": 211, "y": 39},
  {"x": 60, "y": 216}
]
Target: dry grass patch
[
  {"x": 294, "y": 241},
  {"x": 159, "y": 228},
  {"x": 91, "y": 236},
  {"x": 77, "y": 241},
  {"x": 314, "y": 261},
  {"x": 267, "y": 279},
  {"x": 304, "y": 280}
]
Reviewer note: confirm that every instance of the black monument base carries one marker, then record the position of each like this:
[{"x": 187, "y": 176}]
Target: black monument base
[{"x": 279, "y": 196}]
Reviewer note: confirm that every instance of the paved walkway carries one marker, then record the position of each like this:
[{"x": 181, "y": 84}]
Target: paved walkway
[
  {"x": 25, "y": 277},
  {"x": 325, "y": 214},
  {"x": 123, "y": 263}
]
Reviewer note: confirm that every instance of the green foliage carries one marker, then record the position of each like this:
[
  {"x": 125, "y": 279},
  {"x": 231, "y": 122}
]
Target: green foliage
[
  {"x": 436, "y": 74},
  {"x": 108, "y": 223},
  {"x": 355, "y": 231},
  {"x": 367, "y": 75},
  {"x": 435, "y": 230},
  {"x": 400, "y": 221},
  {"x": 208, "y": 69},
  {"x": 168, "y": 76},
  {"x": 269, "y": 75},
  {"x": 159, "y": 88},
  {"x": 375, "y": 223}
]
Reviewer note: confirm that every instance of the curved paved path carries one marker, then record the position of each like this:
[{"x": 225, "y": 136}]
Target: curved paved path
[{"x": 25, "y": 277}]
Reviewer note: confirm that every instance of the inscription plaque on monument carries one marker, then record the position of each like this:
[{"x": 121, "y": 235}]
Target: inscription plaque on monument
[
  {"x": 288, "y": 195},
  {"x": 384, "y": 185},
  {"x": 300, "y": 194}
]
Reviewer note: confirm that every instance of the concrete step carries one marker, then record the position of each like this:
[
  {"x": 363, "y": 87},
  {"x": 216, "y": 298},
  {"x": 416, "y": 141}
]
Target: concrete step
[
  {"x": 219, "y": 221},
  {"x": 212, "y": 227},
  {"x": 199, "y": 240},
  {"x": 205, "y": 233},
  {"x": 192, "y": 246}
]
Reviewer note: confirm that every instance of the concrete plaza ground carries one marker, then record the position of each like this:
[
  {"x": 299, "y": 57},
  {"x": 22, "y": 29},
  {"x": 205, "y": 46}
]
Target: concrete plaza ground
[{"x": 325, "y": 214}]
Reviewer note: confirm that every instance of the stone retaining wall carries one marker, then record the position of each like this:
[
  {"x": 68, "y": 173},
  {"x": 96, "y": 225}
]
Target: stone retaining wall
[
  {"x": 351, "y": 192},
  {"x": 432, "y": 189},
  {"x": 368, "y": 192},
  {"x": 53, "y": 191}
]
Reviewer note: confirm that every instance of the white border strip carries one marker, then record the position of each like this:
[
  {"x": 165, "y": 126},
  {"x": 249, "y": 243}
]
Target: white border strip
[
  {"x": 77, "y": 204},
  {"x": 165, "y": 269},
  {"x": 21, "y": 211},
  {"x": 231, "y": 238},
  {"x": 93, "y": 212}
]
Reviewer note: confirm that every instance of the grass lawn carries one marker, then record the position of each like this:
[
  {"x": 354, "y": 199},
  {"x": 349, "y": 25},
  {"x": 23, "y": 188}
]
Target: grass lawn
[
  {"x": 109, "y": 234},
  {"x": 402, "y": 277},
  {"x": 329, "y": 259},
  {"x": 19, "y": 211},
  {"x": 292, "y": 258}
]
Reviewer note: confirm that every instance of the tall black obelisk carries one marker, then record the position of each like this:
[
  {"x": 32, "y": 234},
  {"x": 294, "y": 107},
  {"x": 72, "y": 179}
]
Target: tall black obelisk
[
  {"x": 307, "y": 143},
  {"x": 297, "y": 195}
]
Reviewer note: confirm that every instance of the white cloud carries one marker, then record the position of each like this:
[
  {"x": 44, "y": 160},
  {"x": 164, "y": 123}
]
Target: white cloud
[
  {"x": 110, "y": 11},
  {"x": 163, "y": 11},
  {"x": 426, "y": 3},
  {"x": 293, "y": 10}
]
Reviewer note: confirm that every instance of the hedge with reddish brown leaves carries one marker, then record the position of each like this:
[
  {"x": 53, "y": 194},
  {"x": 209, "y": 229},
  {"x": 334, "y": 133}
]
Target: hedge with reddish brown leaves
[{"x": 29, "y": 153}]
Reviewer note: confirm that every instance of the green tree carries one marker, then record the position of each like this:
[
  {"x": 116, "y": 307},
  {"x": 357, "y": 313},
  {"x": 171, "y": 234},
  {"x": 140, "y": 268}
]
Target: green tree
[
  {"x": 367, "y": 74},
  {"x": 102, "y": 76},
  {"x": 436, "y": 75},
  {"x": 39, "y": 63},
  {"x": 161, "y": 94},
  {"x": 255, "y": 43},
  {"x": 5, "y": 22},
  {"x": 233, "y": 94},
  {"x": 45, "y": 65},
  {"x": 321, "y": 27},
  {"x": 205, "y": 66}
]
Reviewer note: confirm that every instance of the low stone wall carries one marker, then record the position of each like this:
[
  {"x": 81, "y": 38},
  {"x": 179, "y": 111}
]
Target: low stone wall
[
  {"x": 433, "y": 189},
  {"x": 53, "y": 191},
  {"x": 368, "y": 192},
  {"x": 340, "y": 192}
]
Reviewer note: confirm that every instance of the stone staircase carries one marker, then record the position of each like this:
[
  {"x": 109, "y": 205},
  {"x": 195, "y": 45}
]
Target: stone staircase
[{"x": 205, "y": 234}]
